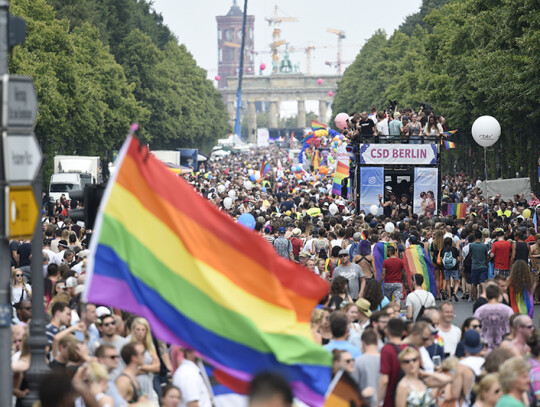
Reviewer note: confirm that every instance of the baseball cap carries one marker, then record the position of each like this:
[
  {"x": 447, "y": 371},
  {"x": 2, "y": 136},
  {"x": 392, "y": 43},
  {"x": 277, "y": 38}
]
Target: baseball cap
[
  {"x": 357, "y": 236},
  {"x": 281, "y": 230},
  {"x": 343, "y": 252}
]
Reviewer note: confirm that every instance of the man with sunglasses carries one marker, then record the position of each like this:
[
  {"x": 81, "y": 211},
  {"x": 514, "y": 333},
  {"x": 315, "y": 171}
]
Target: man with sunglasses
[
  {"x": 524, "y": 329},
  {"x": 107, "y": 328},
  {"x": 108, "y": 356},
  {"x": 353, "y": 273}
]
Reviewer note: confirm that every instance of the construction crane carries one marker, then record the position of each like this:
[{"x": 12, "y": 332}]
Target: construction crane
[
  {"x": 341, "y": 35},
  {"x": 307, "y": 50},
  {"x": 275, "y": 21}
]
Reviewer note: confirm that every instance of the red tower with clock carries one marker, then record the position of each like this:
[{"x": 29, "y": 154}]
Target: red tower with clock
[{"x": 229, "y": 41}]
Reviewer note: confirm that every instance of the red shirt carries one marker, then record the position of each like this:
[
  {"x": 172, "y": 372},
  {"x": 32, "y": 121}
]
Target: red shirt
[
  {"x": 296, "y": 245},
  {"x": 393, "y": 268},
  {"x": 390, "y": 366},
  {"x": 501, "y": 254}
]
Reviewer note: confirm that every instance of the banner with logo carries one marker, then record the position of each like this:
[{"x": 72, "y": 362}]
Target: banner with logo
[
  {"x": 371, "y": 186},
  {"x": 415, "y": 154},
  {"x": 425, "y": 191},
  {"x": 342, "y": 170}
]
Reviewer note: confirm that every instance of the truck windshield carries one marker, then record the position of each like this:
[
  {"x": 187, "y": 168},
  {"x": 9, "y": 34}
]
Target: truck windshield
[{"x": 61, "y": 187}]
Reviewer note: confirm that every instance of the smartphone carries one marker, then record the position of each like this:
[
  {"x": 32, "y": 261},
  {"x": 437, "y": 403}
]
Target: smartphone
[{"x": 437, "y": 361}]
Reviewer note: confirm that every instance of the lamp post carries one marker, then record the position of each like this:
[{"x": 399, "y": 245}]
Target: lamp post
[{"x": 486, "y": 130}]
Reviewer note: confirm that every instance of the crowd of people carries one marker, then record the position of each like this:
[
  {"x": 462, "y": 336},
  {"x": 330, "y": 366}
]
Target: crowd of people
[{"x": 396, "y": 339}]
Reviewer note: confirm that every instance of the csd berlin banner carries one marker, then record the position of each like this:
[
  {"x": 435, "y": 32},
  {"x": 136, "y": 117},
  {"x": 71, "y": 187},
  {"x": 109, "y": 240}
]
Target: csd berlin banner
[{"x": 415, "y": 154}]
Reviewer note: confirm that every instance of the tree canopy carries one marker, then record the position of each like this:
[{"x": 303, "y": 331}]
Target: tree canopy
[
  {"x": 466, "y": 58},
  {"x": 99, "y": 65}
]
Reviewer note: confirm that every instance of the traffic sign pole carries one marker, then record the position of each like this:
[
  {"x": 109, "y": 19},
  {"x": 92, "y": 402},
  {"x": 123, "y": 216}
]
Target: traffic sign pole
[{"x": 6, "y": 375}]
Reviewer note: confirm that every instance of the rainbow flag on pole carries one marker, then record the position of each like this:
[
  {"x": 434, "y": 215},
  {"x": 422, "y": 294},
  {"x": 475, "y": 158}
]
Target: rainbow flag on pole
[
  {"x": 203, "y": 281},
  {"x": 318, "y": 126},
  {"x": 448, "y": 144},
  {"x": 265, "y": 169},
  {"x": 418, "y": 262}
]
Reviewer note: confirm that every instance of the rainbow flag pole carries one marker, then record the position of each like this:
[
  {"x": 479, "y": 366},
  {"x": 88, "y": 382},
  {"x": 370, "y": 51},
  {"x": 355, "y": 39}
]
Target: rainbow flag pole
[{"x": 161, "y": 251}]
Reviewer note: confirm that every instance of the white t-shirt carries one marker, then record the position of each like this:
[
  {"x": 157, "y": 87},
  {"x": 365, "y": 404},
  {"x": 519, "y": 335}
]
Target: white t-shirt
[
  {"x": 189, "y": 380},
  {"x": 427, "y": 363},
  {"x": 451, "y": 339},
  {"x": 418, "y": 298},
  {"x": 382, "y": 127}
]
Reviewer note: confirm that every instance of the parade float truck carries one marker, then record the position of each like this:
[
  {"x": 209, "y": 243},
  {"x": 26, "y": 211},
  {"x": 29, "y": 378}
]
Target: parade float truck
[
  {"x": 394, "y": 167},
  {"x": 73, "y": 172}
]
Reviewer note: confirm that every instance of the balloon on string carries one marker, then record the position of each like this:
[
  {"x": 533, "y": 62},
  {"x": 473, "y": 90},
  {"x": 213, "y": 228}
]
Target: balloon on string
[
  {"x": 221, "y": 188},
  {"x": 257, "y": 176},
  {"x": 330, "y": 93},
  {"x": 527, "y": 213},
  {"x": 232, "y": 194},
  {"x": 478, "y": 183},
  {"x": 486, "y": 130},
  {"x": 374, "y": 209},
  {"x": 248, "y": 184},
  {"x": 389, "y": 227},
  {"x": 341, "y": 120},
  {"x": 319, "y": 81},
  {"x": 262, "y": 67},
  {"x": 227, "y": 203},
  {"x": 252, "y": 177},
  {"x": 247, "y": 220},
  {"x": 217, "y": 77},
  {"x": 317, "y": 142},
  {"x": 333, "y": 208}
]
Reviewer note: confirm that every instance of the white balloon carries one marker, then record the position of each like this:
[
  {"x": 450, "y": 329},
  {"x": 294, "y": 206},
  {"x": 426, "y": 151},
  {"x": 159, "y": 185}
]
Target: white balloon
[
  {"x": 389, "y": 227},
  {"x": 227, "y": 183},
  {"x": 333, "y": 208},
  {"x": 232, "y": 193},
  {"x": 257, "y": 175},
  {"x": 227, "y": 203},
  {"x": 374, "y": 209},
  {"x": 248, "y": 184},
  {"x": 478, "y": 183},
  {"x": 221, "y": 188},
  {"x": 486, "y": 130}
]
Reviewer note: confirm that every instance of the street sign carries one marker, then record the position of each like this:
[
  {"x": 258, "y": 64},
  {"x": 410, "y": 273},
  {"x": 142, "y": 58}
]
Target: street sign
[
  {"x": 22, "y": 157},
  {"x": 21, "y": 212},
  {"x": 19, "y": 102}
]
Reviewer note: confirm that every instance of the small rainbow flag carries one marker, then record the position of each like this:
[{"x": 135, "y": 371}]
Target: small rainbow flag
[
  {"x": 203, "y": 281},
  {"x": 380, "y": 254},
  {"x": 448, "y": 145},
  {"x": 265, "y": 169},
  {"x": 458, "y": 209},
  {"x": 522, "y": 303},
  {"x": 342, "y": 171},
  {"x": 418, "y": 262},
  {"x": 318, "y": 126},
  {"x": 449, "y": 132}
]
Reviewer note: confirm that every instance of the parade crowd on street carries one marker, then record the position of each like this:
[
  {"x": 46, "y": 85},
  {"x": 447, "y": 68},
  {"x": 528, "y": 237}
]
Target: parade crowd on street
[{"x": 395, "y": 337}]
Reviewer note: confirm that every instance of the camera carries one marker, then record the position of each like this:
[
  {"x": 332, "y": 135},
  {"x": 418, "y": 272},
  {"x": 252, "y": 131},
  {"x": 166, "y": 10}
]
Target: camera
[{"x": 393, "y": 104}]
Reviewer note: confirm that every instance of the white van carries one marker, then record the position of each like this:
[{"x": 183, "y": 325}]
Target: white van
[{"x": 66, "y": 182}]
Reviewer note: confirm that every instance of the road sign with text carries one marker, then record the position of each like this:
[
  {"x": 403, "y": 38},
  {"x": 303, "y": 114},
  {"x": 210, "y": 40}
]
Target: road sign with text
[
  {"x": 22, "y": 157},
  {"x": 19, "y": 103}
]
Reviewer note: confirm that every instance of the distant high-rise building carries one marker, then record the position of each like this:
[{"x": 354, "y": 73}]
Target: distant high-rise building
[{"x": 229, "y": 41}]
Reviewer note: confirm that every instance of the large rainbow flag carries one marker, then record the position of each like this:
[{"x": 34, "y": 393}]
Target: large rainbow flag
[
  {"x": 458, "y": 209},
  {"x": 318, "y": 126},
  {"x": 203, "y": 281},
  {"x": 380, "y": 254},
  {"x": 342, "y": 170},
  {"x": 265, "y": 169},
  {"x": 418, "y": 262}
]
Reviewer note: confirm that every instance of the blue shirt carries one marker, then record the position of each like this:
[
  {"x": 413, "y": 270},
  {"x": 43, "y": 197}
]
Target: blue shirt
[{"x": 343, "y": 345}]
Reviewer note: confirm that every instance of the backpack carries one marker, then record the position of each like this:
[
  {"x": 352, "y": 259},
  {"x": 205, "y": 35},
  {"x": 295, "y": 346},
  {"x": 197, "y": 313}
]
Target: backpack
[
  {"x": 467, "y": 262},
  {"x": 422, "y": 307},
  {"x": 448, "y": 260}
]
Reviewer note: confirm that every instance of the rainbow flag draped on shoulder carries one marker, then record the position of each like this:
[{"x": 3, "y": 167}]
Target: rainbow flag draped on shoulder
[
  {"x": 203, "y": 281},
  {"x": 417, "y": 261},
  {"x": 380, "y": 254},
  {"x": 523, "y": 302}
]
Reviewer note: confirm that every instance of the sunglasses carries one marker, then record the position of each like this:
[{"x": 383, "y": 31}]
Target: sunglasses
[
  {"x": 407, "y": 361},
  {"x": 476, "y": 326},
  {"x": 106, "y": 324},
  {"x": 426, "y": 339},
  {"x": 18, "y": 275},
  {"x": 349, "y": 361},
  {"x": 527, "y": 326}
]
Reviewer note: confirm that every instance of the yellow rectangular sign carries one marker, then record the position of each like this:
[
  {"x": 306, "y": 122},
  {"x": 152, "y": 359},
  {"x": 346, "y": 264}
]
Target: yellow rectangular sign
[{"x": 22, "y": 212}]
